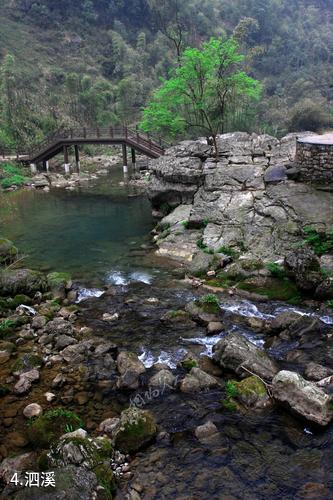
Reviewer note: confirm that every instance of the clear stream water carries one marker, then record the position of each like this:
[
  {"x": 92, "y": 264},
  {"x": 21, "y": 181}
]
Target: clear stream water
[{"x": 100, "y": 234}]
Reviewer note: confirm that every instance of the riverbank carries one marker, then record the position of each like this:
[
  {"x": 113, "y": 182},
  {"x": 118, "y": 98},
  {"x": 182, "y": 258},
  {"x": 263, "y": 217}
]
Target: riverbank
[{"x": 170, "y": 378}]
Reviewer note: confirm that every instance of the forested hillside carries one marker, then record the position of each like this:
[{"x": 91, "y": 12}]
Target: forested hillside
[{"x": 97, "y": 61}]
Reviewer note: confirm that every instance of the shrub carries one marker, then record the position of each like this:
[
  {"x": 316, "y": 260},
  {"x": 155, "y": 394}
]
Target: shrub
[
  {"x": 227, "y": 251},
  {"x": 320, "y": 242},
  {"x": 276, "y": 270}
]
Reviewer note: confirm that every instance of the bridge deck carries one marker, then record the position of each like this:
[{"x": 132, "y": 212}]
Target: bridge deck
[{"x": 56, "y": 142}]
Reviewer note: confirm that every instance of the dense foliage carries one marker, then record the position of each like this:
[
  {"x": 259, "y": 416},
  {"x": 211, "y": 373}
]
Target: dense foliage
[
  {"x": 99, "y": 61},
  {"x": 205, "y": 89}
]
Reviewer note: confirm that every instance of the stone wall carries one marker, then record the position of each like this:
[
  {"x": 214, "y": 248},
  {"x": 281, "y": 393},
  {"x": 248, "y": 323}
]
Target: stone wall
[{"x": 314, "y": 162}]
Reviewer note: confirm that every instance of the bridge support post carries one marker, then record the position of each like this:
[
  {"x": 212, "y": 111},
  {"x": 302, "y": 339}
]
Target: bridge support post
[
  {"x": 33, "y": 168},
  {"x": 66, "y": 161},
  {"x": 77, "y": 158},
  {"x": 47, "y": 165},
  {"x": 133, "y": 153},
  {"x": 125, "y": 164}
]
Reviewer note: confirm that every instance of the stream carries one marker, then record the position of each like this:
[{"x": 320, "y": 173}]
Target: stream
[{"x": 100, "y": 233}]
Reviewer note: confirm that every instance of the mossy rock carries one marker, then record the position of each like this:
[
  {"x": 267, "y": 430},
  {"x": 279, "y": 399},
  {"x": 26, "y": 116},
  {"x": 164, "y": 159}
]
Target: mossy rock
[
  {"x": 137, "y": 428},
  {"x": 46, "y": 429},
  {"x": 8, "y": 251},
  {"x": 106, "y": 479},
  {"x": 252, "y": 392},
  {"x": 22, "y": 281},
  {"x": 58, "y": 283},
  {"x": 20, "y": 299},
  {"x": 26, "y": 362},
  {"x": 188, "y": 364}
]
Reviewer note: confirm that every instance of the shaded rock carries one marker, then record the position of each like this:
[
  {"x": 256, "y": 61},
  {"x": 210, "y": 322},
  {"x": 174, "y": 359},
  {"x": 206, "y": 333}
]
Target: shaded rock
[
  {"x": 38, "y": 322},
  {"x": 197, "y": 380},
  {"x": 21, "y": 281},
  {"x": 283, "y": 321},
  {"x": 137, "y": 428},
  {"x": 59, "y": 326},
  {"x": 303, "y": 397},
  {"x": 130, "y": 369},
  {"x": 200, "y": 263},
  {"x": 178, "y": 215},
  {"x": 324, "y": 290},
  {"x": 214, "y": 327},
  {"x": 303, "y": 266},
  {"x": 234, "y": 352},
  {"x": 8, "y": 251},
  {"x": 32, "y": 410},
  {"x": 206, "y": 431},
  {"x": 275, "y": 173},
  {"x": 163, "y": 379},
  {"x": 314, "y": 371},
  {"x": 203, "y": 314}
]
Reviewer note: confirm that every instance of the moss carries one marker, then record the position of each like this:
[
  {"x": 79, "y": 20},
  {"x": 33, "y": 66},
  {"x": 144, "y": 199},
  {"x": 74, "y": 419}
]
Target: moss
[
  {"x": 58, "y": 279},
  {"x": 231, "y": 252},
  {"x": 275, "y": 289},
  {"x": 251, "y": 386},
  {"x": 229, "y": 404},
  {"x": 209, "y": 303},
  {"x": 106, "y": 479},
  {"x": 26, "y": 361},
  {"x": 47, "y": 428},
  {"x": 231, "y": 389},
  {"x": 4, "y": 390},
  {"x": 188, "y": 364},
  {"x": 138, "y": 427},
  {"x": 20, "y": 299}
]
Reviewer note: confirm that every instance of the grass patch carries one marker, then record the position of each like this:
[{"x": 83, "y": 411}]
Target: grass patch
[
  {"x": 320, "y": 242},
  {"x": 276, "y": 270},
  {"x": 209, "y": 303},
  {"x": 11, "y": 175},
  {"x": 275, "y": 289},
  {"x": 227, "y": 251}
]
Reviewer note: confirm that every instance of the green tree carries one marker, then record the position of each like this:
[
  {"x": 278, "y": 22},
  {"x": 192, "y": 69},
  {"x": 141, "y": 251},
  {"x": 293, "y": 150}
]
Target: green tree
[{"x": 206, "y": 87}]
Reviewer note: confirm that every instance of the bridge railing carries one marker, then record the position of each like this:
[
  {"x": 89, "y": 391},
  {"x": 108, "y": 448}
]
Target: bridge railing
[{"x": 123, "y": 133}]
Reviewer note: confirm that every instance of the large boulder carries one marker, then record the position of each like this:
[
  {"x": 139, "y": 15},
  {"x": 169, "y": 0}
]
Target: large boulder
[
  {"x": 304, "y": 267},
  {"x": 304, "y": 398},
  {"x": 8, "y": 251},
  {"x": 136, "y": 429},
  {"x": 234, "y": 352},
  {"x": 130, "y": 368},
  {"x": 22, "y": 281}
]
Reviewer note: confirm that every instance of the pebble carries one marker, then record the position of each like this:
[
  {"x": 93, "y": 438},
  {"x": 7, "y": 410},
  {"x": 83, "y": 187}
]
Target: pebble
[
  {"x": 32, "y": 410},
  {"x": 49, "y": 396}
]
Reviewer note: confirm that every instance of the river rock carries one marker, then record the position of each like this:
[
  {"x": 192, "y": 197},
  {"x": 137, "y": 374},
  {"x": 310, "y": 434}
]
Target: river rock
[
  {"x": 32, "y": 410},
  {"x": 59, "y": 326},
  {"x": 163, "y": 379},
  {"x": 214, "y": 327},
  {"x": 20, "y": 463},
  {"x": 70, "y": 482},
  {"x": 130, "y": 368},
  {"x": 234, "y": 352},
  {"x": 8, "y": 251},
  {"x": 21, "y": 281},
  {"x": 64, "y": 341},
  {"x": 303, "y": 397},
  {"x": 25, "y": 381},
  {"x": 207, "y": 431},
  {"x": 38, "y": 322},
  {"x": 252, "y": 393},
  {"x": 197, "y": 380},
  {"x": 178, "y": 215},
  {"x": 137, "y": 428},
  {"x": 59, "y": 283},
  {"x": 108, "y": 426},
  {"x": 283, "y": 321},
  {"x": 316, "y": 372}
]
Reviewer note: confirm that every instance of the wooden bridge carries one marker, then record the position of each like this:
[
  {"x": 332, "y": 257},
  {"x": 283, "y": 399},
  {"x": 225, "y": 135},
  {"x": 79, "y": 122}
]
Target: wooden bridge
[{"x": 61, "y": 140}]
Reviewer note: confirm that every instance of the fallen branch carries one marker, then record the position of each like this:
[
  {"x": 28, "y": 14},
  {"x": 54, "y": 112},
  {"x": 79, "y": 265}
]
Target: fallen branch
[{"x": 266, "y": 384}]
